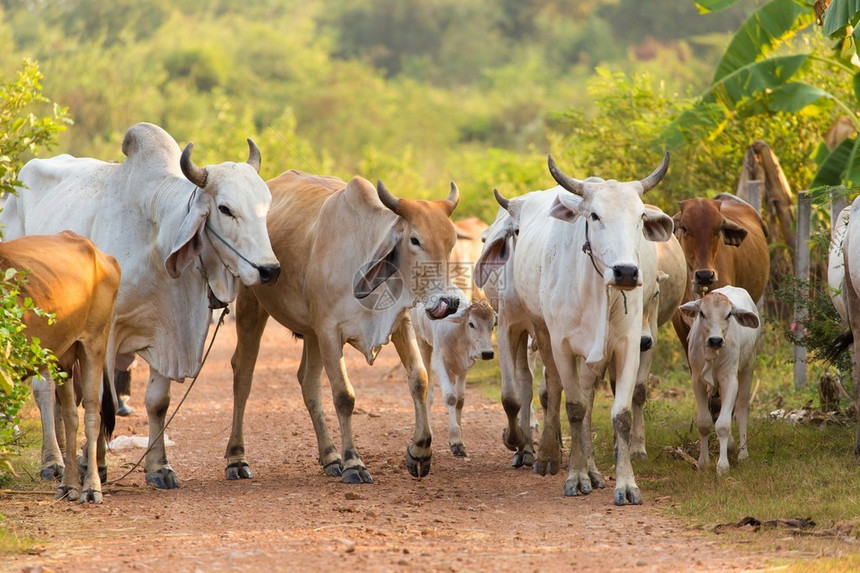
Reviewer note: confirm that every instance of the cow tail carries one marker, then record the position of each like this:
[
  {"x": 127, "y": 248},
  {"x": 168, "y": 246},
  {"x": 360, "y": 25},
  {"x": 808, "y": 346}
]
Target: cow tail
[
  {"x": 842, "y": 343},
  {"x": 108, "y": 406}
]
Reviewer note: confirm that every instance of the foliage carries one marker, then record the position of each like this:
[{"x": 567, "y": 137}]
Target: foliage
[
  {"x": 22, "y": 129},
  {"x": 20, "y": 357}
]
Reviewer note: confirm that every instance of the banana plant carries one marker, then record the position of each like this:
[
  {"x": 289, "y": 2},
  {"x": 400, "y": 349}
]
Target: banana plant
[{"x": 750, "y": 79}]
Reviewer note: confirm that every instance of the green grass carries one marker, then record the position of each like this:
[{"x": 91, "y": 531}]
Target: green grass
[
  {"x": 27, "y": 469},
  {"x": 794, "y": 470}
]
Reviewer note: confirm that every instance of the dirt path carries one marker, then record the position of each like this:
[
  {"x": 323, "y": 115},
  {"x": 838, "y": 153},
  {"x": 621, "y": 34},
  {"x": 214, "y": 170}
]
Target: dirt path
[{"x": 473, "y": 514}]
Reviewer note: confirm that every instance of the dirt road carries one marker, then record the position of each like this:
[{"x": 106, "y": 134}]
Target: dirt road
[{"x": 472, "y": 514}]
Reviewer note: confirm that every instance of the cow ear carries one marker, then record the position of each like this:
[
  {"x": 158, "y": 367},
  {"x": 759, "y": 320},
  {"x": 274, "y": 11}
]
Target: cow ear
[
  {"x": 658, "y": 225},
  {"x": 496, "y": 253},
  {"x": 384, "y": 263},
  {"x": 689, "y": 312},
  {"x": 733, "y": 234},
  {"x": 566, "y": 207},
  {"x": 189, "y": 241},
  {"x": 745, "y": 318}
]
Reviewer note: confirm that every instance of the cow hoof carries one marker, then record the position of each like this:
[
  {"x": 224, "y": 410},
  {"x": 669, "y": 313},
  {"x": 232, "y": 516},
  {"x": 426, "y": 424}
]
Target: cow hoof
[
  {"x": 91, "y": 495},
  {"x": 596, "y": 479},
  {"x": 542, "y": 467},
  {"x": 418, "y": 467},
  {"x": 165, "y": 478},
  {"x": 52, "y": 472},
  {"x": 577, "y": 485},
  {"x": 334, "y": 469},
  {"x": 459, "y": 450},
  {"x": 523, "y": 458},
  {"x": 124, "y": 409},
  {"x": 82, "y": 470},
  {"x": 238, "y": 470},
  {"x": 356, "y": 475},
  {"x": 641, "y": 454},
  {"x": 515, "y": 442},
  {"x": 67, "y": 492},
  {"x": 630, "y": 495}
]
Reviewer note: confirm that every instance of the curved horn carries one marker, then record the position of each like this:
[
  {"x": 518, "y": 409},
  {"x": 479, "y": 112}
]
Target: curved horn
[
  {"x": 501, "y": 200},
  {"x": 652, "y": 180},
  {"x": 575, "y": 186},
  {"x": 254, "y": 158},
  {"x": 386, "y": 197},
  {"x": 193, "y": 173},
  {"x": 454, "y": 196}
]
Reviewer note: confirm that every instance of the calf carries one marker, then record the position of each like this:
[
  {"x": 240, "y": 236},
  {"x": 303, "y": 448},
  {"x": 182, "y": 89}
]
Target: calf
[
  {"x": 78, "y": 284},
  {"x": 722, "y": 358},
  {"x": 449, "y": 347}
]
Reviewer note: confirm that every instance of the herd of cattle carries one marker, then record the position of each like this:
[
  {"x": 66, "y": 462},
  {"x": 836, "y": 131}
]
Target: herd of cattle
[{"x": 583, "y": 273}]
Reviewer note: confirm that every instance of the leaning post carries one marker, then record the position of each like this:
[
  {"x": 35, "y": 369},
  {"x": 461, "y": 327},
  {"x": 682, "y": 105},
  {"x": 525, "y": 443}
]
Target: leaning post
[{"x": 801, "y": 272}]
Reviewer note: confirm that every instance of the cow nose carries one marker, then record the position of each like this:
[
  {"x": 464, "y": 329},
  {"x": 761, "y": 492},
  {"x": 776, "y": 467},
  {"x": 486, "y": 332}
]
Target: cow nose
[
  {"x": 715, "y": 342},
  {"x": 627, "y": 275},
  {"x": 269, "y": 273},
  {"x": 645, "y": 343},
  {"x": 487, "y": 355},
  {"x": 705, "y": 277}
]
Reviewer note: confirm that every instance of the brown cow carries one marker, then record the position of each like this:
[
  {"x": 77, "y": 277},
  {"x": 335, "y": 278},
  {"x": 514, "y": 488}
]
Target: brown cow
[
  {"x": 725, "y": 243},
  {"x": 77, "y": 283},
  {"x": 465, "y": 254}
]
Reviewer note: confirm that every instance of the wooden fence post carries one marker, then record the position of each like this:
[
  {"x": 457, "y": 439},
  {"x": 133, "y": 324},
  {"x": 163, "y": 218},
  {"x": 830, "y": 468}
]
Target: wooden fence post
[{"x": 801, "y": 271}]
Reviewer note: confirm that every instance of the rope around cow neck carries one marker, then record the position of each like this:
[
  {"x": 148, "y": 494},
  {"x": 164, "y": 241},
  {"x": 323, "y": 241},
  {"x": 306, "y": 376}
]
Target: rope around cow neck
[{"x": 179, "y": 405}]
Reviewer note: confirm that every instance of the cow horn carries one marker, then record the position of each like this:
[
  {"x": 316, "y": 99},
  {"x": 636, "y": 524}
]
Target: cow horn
[
  {"x": 193, "y": 173},
  {"x": 501, "y": 199},
  {"x": 652, "y": 180},
  {"x": 453, "y": 196},
  {"x": 575, "y": 186},
  {"x": 254, "y": 158},
  {"x": 386, "y": 197}
]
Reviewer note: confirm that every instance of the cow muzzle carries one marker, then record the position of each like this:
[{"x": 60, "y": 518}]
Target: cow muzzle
[
  {"x": 487, "y": 355},
  {"x": 646, "y": 343},
  {"x": 445, "y": 306},
  {"x": 715, "y": 342},
  {"x": 703, "y": 279},
  {"x": 269, "y": 273},
  {"x": 625, "y": 276}
]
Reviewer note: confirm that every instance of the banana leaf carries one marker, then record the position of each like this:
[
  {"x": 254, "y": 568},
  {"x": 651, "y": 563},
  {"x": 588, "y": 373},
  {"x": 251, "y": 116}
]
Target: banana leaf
[
  {"x": 840, "y": 14},
  {"x": 707, "y": 6}
]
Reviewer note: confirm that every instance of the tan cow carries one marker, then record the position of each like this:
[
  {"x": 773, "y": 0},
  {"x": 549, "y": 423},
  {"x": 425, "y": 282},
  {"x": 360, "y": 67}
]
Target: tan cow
[
  {"x": 725, "y": 243},
  {"x": 465, "y": 254},
  {"x": 356, "y": 260},
  {"x": 71, "y": 279}
]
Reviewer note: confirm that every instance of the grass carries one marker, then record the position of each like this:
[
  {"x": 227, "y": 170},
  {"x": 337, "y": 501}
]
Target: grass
[
  {"x": 794, "y": 470},
  {"x": 27, "y": 468}
]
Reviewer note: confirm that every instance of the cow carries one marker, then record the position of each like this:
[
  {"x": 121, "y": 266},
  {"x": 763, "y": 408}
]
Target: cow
[
  {"x": 69, "y": 278},
  {"x": 183, "y": 235},
  {"x": 724, "y": 330},
  {"x": 449, "y": 348},
  {"x": 578, "y": 261},
  {"x": 725, "y": 243},
  {"x": 466, "y": 251},
  {"x": 836, "y": 262},
  {"x": 356, "y": 260}
]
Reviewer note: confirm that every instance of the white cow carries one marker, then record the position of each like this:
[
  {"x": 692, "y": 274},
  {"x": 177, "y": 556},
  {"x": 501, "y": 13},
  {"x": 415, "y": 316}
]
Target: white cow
[
  {"x": 180, "y": 232},
  {"x": 836, "y": 262},
  {"x": 449, "y": 347},
  {"x": 722, "y": 356},
  {"x": 577, "y": 265}
]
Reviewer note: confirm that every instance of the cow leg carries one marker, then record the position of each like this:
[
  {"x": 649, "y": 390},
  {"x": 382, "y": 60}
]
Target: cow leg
[
  {"x": 331, "y": 349},
  {"x": 626, "y": 365},
  {"x": 91, "y": 374},
  {"x": 704, "y": 421},
  {"x": 516, "y": 394},
  {"x": 44, "y": 392},
  {"x": 640, "y": 395},
  {"x": 419, "y": 452},
  {"x": 587, "y": 381},
  {"x": 453, "y": 403},
  {"x": 69, "y": 487},
  {"x": 250, "y": 323},
  {"x": 549, "y": 452},
  {"x": 723, "y": 425},
  {"x": 157, "y": 399},
  {"x": 458, "y": 421},
  {"x": 742, "y": 410},
  {"x": 310, "y": 376}
]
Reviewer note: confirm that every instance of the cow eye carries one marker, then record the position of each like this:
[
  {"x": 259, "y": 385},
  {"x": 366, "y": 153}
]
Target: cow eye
[
  {"x": 701, "y": 314},
  {"x": 415, "y": 241},
  {"x": 471, "y": 324},
  {"x": 683, "y": 229},
  {"x": 594, "y": 217},
  {"x": 226, "y": 210}
]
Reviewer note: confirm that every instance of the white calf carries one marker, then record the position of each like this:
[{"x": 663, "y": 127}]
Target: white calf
[
  {"x": 449, "y": 347},
  {"x": 722, "y": 357}
]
